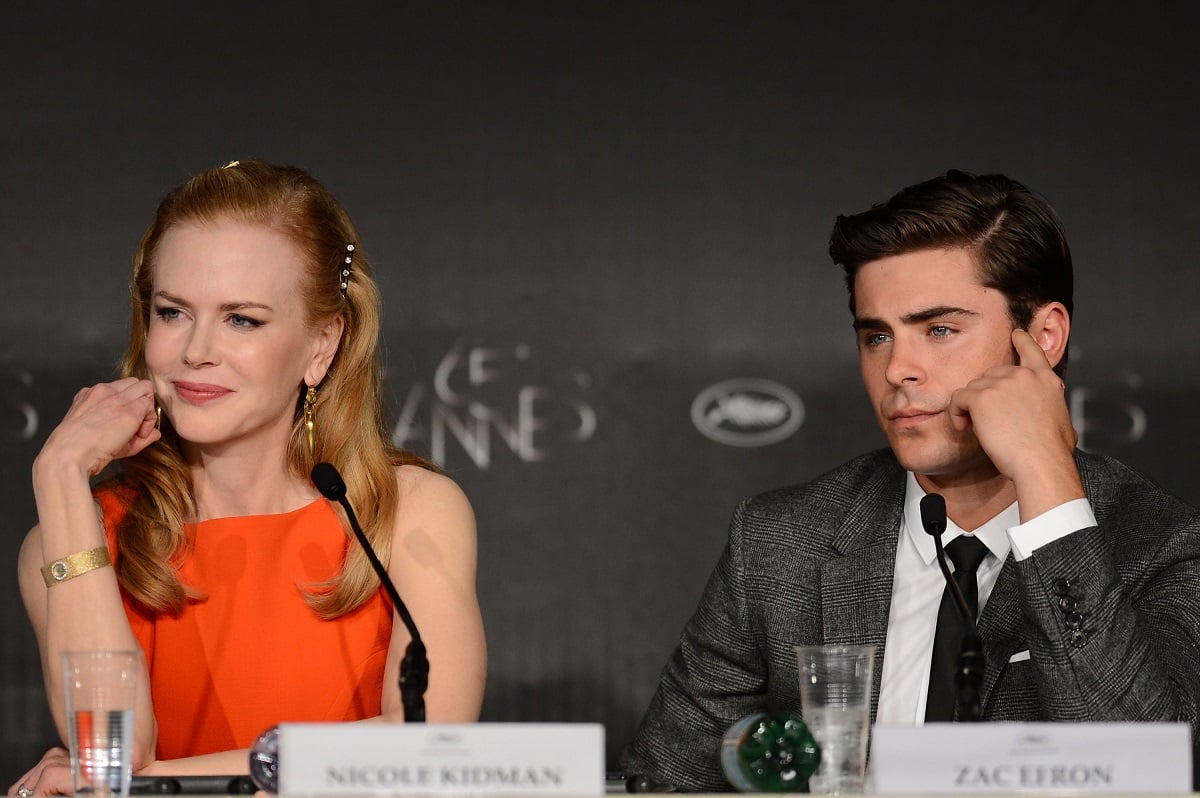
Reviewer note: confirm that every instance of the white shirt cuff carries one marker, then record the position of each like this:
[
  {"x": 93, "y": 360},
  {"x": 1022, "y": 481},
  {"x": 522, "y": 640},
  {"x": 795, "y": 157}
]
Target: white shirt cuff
[{"x": 1048, "y": 527}]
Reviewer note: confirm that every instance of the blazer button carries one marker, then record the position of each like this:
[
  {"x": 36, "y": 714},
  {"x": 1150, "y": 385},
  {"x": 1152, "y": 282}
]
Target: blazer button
[
  {"x": 1062, "y": 587},
  {"x": 1075, "y": 620},
  {"x": 1078, "y": 638},
  {"x": 1067, "y": 604}
]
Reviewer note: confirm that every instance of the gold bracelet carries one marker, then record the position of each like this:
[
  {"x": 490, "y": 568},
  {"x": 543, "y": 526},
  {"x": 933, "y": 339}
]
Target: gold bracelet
[{"x": 75, "y": 564}]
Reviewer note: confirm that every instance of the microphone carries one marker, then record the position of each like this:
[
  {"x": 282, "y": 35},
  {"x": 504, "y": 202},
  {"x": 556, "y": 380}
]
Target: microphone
[
  {"x": 968, "y": 679},
  {"x": 414, "y": 668}
]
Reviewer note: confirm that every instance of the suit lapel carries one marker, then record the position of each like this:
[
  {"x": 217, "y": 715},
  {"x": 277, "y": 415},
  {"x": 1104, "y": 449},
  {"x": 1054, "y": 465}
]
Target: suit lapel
[
  {"x": 856, "y": 587},
  {"x": 1000, "y": 627},
  {"x": 856, "y": 592}
]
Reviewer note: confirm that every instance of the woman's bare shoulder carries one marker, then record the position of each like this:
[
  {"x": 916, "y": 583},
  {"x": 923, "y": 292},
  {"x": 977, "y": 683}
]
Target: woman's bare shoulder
[{"x": 426, "y": 495}]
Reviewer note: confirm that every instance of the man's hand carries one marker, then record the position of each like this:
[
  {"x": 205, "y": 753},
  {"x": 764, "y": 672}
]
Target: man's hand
[{"x": 1020, "y": 417}]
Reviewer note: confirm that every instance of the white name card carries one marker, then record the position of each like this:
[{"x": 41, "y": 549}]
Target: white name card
[
  {"x": 1041, "y": 757},
  {"x": 394, "y": 758}
]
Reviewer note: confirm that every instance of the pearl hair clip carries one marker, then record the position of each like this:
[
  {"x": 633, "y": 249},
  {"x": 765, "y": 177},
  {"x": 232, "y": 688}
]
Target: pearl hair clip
[{"x": 346, "y": 268}]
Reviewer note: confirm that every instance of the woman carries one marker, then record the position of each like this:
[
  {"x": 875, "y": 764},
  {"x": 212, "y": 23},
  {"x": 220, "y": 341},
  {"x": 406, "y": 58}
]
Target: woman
[{"x": 253, "y": 355}]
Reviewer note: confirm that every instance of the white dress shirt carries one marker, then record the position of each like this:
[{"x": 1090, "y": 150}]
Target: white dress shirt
[{"x": 918, "y": 584}]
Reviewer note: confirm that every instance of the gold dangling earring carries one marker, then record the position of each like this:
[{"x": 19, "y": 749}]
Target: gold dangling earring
[
  {"x": 157, "y": 416},
  {"x": 310, "y": 422}
]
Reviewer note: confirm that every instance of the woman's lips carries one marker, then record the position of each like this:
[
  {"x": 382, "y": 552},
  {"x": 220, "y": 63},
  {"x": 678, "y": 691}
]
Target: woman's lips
[{"x": 199, "y": 392}]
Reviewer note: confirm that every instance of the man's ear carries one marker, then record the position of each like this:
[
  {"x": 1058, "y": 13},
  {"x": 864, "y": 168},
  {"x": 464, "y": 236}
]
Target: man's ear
[
  {"x": 1051, "y": 328},
  {"x": 328, "y": 339}
]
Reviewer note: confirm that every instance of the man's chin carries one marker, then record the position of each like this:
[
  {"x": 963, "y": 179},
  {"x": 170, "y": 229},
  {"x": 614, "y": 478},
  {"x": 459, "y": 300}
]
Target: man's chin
[
  {"x": 944, "y": 463},
  {"x": 925, "y": 459}
]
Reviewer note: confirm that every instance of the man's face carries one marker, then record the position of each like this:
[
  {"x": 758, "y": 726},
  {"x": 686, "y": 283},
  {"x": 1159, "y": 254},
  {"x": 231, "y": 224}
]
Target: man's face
[{"x": 926, "y": 327}]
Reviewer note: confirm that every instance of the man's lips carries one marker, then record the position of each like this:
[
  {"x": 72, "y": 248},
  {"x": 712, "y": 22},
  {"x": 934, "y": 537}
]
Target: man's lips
[
  {"x": 199, "y": 392},
  {"x": 912, "y": 417}
]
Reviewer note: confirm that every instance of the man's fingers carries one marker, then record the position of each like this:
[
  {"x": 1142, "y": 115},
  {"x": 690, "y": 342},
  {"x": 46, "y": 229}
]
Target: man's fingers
[
  {"x": 959, "y": 408},
  {"x": 1032, "y": 356},
  {"x": 1029, "y": 353}
]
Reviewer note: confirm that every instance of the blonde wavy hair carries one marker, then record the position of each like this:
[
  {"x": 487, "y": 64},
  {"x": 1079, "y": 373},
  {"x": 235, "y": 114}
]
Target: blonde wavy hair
[{"x": 348, "y": 412}]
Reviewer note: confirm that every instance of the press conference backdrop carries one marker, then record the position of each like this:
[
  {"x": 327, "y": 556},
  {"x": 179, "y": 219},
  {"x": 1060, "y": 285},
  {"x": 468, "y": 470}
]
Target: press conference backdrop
[{"x": 600, "y": 231}]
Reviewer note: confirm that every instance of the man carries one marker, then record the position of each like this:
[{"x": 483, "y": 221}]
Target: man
[{"x": 1089, "y": 587}]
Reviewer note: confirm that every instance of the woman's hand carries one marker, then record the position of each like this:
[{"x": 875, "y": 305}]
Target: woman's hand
[
  {"x": 105, "y": 422},
  {"x": 50, "y": 776}
]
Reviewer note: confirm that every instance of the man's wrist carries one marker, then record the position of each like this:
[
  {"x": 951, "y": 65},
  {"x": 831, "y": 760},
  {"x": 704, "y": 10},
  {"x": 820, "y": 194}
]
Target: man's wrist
[
  {"x": 1046, "y": 486},
  {"x": 1047, "y": 527}
]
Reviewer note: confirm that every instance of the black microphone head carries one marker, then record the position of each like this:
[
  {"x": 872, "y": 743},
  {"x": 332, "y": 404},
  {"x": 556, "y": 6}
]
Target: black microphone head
[
  {"x": 933, "y": 514},
  {"x": 328, "y": 481}
]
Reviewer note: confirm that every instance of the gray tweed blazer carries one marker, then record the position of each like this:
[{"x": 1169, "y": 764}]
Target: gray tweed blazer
[{"x": 813, "y": 564}]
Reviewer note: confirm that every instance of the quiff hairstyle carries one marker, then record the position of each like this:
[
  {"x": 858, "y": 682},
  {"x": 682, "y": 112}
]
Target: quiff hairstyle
[
  {"x": 350, "y": 433},
  {"x": 1015, "y": 237}
]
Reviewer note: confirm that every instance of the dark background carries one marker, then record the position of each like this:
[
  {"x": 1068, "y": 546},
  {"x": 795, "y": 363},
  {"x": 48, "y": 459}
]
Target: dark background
[{"x": 606, "y": 208}]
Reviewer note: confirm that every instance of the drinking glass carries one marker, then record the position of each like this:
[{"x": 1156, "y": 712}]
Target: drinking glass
[
  {"x": 101, "y": 690},
  {"x": 835, "y": 700}
]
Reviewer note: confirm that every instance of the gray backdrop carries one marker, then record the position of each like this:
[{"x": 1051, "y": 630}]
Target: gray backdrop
[{"x": 599, "y": 228}]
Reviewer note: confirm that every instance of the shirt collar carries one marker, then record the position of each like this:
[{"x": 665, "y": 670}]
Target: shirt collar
[{"x": 994, "y": 533}]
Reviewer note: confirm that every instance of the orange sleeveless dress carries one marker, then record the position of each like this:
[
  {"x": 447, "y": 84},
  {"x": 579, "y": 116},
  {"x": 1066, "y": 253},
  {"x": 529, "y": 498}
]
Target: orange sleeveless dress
[{"x": 252, "y": 654}]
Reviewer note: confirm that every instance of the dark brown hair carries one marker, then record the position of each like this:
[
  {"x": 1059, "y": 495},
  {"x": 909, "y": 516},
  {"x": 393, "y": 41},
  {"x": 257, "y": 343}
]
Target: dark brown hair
[{"x": 1015, "y": 237}]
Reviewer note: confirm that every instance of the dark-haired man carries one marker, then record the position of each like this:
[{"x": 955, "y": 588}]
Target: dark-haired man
[{"x": 1089, "y": 589}]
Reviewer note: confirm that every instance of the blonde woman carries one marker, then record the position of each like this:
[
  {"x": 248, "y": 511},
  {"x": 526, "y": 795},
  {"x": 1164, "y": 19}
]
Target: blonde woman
[{"x": 253, "y": 355}]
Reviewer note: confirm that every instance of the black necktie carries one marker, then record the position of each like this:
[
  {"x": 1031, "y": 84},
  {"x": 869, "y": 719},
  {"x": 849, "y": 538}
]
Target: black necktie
[{"x": 966, "y": 552}]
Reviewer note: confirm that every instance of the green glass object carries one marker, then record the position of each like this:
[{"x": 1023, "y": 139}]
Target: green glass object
[{"x": 769, "y": 753}]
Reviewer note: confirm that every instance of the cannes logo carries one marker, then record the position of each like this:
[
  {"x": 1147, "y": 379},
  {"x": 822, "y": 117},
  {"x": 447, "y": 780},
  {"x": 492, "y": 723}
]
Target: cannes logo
[{"x": 747, "y": 412}]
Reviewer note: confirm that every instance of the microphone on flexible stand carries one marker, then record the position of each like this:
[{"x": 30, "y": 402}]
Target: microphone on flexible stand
[
  {"x": 968, "y": 678},
  {"x": 414, "y": 668}
]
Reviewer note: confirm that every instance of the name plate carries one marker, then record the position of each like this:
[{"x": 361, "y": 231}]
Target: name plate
[
  {"x": 396, "y": 758},
  {"x": 1041, "y": 757}
]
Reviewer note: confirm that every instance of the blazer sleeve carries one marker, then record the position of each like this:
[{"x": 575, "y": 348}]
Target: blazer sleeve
[
  {"x": 715, "y": 676},
  {"x": 1113, "y": 615}
]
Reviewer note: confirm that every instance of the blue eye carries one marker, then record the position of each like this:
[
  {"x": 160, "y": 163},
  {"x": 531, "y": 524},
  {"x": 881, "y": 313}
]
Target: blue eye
[
  {"x": 238, "y": 320},
  {"x": 167, "y": 314},
  {"x": 875, "y": 339},
  {"x": 940, "y": 331}
]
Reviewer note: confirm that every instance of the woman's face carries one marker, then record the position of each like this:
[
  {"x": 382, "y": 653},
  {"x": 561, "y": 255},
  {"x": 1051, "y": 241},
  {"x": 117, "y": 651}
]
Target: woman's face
[{"x": 227, "y": 346}]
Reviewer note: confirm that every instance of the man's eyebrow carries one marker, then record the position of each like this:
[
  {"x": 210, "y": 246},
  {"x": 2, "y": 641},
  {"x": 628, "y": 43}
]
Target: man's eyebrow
[
  {"x": 940, "y": 311},
  {"x": 870, "y": 323},
  {"x": 915, "y": 317}
]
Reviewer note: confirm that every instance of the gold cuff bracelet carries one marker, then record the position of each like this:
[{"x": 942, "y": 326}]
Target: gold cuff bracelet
[{"x": 75, "y": 564}]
